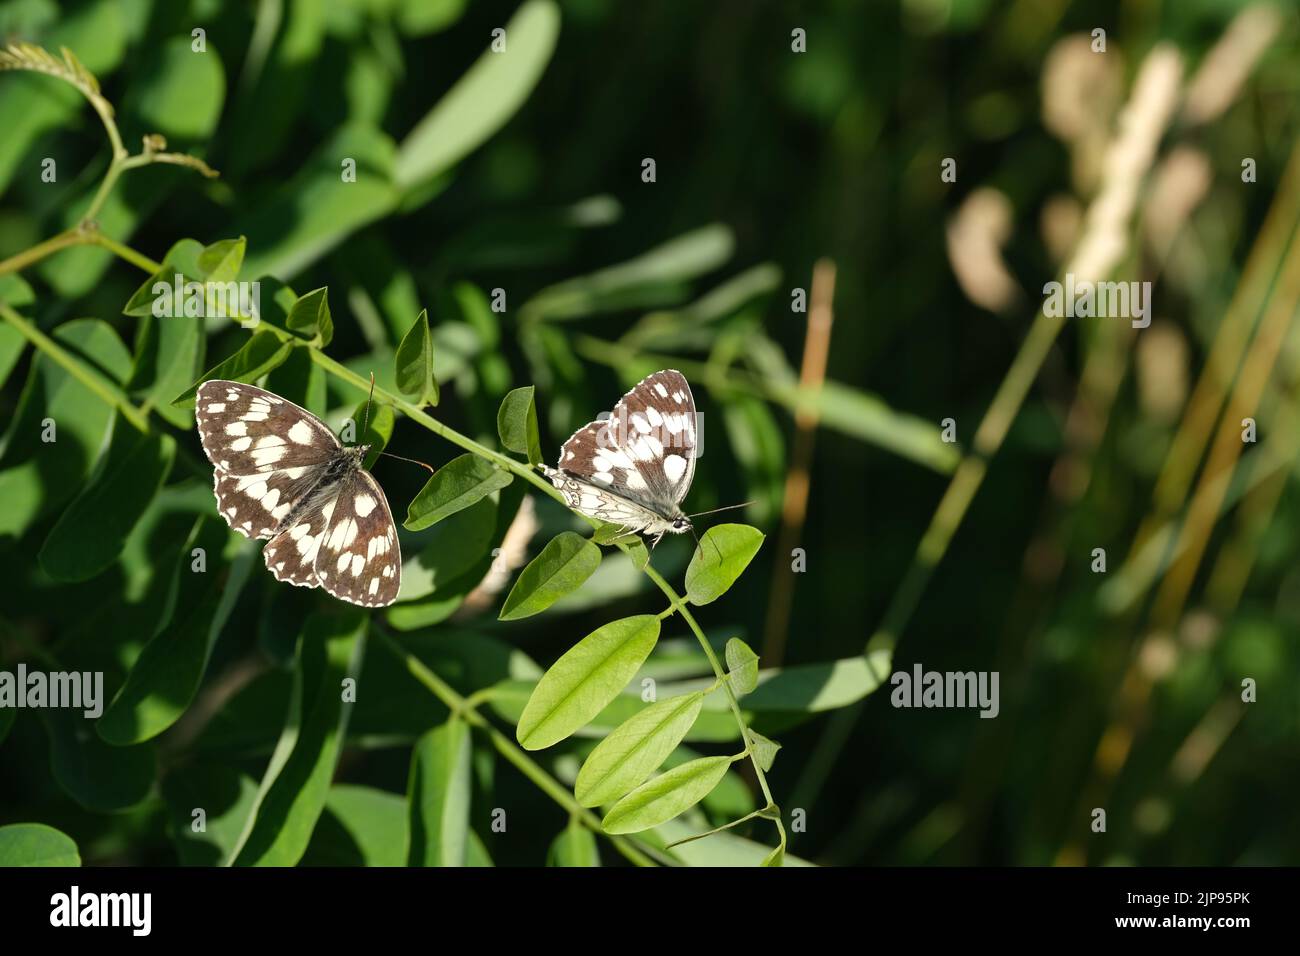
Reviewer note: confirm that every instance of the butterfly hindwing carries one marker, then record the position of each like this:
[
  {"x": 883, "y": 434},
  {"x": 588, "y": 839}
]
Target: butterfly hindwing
[
  {"x": 247, "y": 430},
  {"x": 360, "y": 559},
  {"x": 291, "y": 554}
]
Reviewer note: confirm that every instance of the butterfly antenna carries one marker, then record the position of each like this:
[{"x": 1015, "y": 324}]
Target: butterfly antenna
[
  {"x": 743, "y": 504},
  {"x": 365, "y": 422},
  {"x": 422, "y": 464}
]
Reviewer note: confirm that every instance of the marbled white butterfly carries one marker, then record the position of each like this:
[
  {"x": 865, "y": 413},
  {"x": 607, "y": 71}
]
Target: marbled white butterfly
[
  {"x": 281, "y": 474},
  {"x": 635, "y": 468}
]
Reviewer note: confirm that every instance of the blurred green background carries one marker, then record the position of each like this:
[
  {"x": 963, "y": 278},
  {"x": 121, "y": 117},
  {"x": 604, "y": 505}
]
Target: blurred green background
[{"x": 767, "y": 160}]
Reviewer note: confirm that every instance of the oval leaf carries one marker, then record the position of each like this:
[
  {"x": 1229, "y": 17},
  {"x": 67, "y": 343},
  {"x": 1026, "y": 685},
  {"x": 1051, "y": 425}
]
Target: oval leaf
[
  {"x": 517, "y": 424},
  {"x": 310, "y": 317},
  {"x": 415, "y": 363},
  {"x": 635, "y": 750},
  {"x": 667, "y": 795},
  {"x": 724, "y": 552},
  {"x": 564, "y": 564},
  {"x": 585, "y": 679},
  {"x": 742, "y": 666},
  {"x": 457, "y": 485},
  {"x": 35, "y": 844},
  {"x": 439, "y": 793}
]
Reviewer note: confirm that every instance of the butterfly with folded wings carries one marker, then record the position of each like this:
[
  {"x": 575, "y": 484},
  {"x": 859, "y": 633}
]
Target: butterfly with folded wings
[
  {"x": 281, "y": 474},
  {"x": 635, "y": 468}
]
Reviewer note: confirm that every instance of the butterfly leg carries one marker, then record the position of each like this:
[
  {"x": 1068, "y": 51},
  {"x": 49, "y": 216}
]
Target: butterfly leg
[{"x": 658, "y": 538}]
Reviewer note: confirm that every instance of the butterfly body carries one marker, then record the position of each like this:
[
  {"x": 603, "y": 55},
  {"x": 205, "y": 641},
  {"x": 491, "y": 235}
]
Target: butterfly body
[
  {"x": 634, "y": 468},
  {"x": 280, "y": 474}
]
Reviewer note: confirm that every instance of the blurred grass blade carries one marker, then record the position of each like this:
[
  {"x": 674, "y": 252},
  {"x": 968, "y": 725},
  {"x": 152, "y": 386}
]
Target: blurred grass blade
[
  {"x": 481, "y": 102},
  {"x": 647, "y": 279}
]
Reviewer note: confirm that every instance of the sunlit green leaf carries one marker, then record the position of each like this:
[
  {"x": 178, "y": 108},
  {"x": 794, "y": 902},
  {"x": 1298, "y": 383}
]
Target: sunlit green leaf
[
  {"x": 764, "y": 749},
  {"x": 564, "y": 564},
  {"x": 724, "y": 552},
  {"x": 667, "y": 795},
  {"x": 456, "y": 485},
  {"x": 625, "y": 758},
  {"x": 35, "y": 844},
  {"x": 310, "y": 317},
  {"x": 742, "y": 666},
  {"x": 414, "y": 359},
  {"x": 586, "y": 678},
  {"x": 517, "y": 424}
]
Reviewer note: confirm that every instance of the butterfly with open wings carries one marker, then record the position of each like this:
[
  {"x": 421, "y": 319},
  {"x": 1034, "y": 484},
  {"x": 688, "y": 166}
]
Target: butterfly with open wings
[
  {"x": 635, "y": 468},
  {"x": 282, "y": 474}
]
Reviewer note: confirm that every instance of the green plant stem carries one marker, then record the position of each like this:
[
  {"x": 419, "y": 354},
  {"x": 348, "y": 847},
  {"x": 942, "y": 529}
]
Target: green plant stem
[
  {"x": 463, "y": 708},
  {"x": 110, "y": 395}
]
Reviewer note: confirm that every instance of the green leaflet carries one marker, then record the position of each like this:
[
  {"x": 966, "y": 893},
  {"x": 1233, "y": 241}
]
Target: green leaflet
[
  {"x": 35, "y": 844},
  {"x": 667, "y": 795},
  {"x": 438, "y": 796},
  {"x": 625, "y": 758},
  {"x": 458, "y": 484},
  {"x": 310, "y": 317},
  {"x": 724, "y": 552},
  {"x": 564, "y": 564},
  {"x": 742, "y": 666},
  {"x": 517, "y": 424},
  {"x": 414, "y": 362},
  {"x": 585, "y": 679}
]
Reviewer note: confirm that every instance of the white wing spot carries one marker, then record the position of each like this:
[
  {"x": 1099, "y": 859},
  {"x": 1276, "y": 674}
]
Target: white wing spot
[
  {"x": 241, "y": 444},
  {"x": 362, "y": 504},
  {"x": 358, "y": 562},
  {"x": 374, "y": 586},
  {"x": 641, "y": 424},
  {"x": 301, "y": 433},
  {"x": 652, "y": 413},
  {"x": 674, "y": 467},
  {"x": 344, "y": 560},
  {"x": 659, "y": 387},
  {"x": 604, "y": 477},
  {"x": 217, "y": 407},
  {"x": 234, "y": 428}
]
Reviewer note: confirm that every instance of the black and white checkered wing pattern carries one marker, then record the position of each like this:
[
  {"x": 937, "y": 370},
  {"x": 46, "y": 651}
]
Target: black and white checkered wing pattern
[
  {"x": 359, "y": 558},
  {"x": 635, "y": 467},
  {"x": 247, "y": 430}
]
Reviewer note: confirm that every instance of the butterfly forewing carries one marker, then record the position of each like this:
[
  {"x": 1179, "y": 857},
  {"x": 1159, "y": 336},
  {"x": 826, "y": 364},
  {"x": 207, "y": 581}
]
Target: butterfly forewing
[
  {"x": 281, "y": 474},
  {"x": 247, "y": 430},
  {"x": 359, "y": 559}
]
